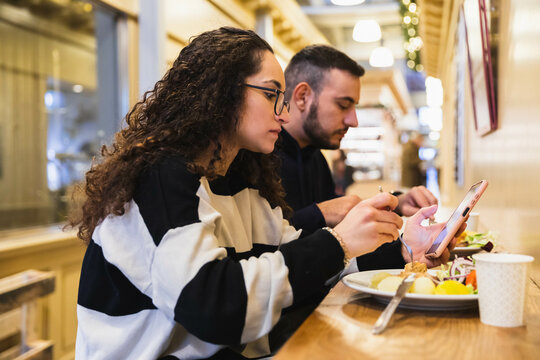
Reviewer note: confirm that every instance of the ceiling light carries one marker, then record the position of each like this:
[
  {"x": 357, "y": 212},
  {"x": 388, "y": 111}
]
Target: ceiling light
[
  {"x": 367, "y": 31},
  {"x": 346, "y": 2},
  {"x": 434, "y": 92},
  {"x": 77, "y": 88},
  {"x": 434, "y": 135},
  {"x": 381, "y": 57}
]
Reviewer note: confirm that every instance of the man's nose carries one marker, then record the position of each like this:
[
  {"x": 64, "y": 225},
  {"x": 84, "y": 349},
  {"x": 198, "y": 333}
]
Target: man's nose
[{"x": 351, "y": 119}]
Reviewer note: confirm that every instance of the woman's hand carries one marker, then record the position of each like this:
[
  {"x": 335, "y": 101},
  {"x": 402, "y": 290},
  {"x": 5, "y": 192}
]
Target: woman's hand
[
  {"x": 420, "y": 238},
  {"x": 370, "y": 224}
]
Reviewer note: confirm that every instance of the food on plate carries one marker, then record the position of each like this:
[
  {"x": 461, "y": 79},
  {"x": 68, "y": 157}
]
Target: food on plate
[
  {"x": 472, "y": 239},
  {"x": 390, "y": 283},
  {"x": 460, "y": 269},
  {"x": 423, "y": 285},
  {"x": 377, "y": 278},
  {"x": 416, "y": 267},
  {"x": 455, "y": 278},
  {"x": 384, "y": 281},
  {"x": 471, "y": 280},
  {"x": 451, "y": 287}
]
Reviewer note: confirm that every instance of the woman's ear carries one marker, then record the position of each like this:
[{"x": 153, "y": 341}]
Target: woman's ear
[{"x": 302, "y": 96}]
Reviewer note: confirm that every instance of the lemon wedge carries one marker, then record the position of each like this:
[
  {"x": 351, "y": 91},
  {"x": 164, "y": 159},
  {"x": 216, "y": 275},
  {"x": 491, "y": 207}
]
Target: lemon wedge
[{"x": 451, "y": 287}]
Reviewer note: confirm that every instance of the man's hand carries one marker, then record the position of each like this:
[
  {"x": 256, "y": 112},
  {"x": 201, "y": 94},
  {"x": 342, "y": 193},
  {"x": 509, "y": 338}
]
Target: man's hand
[
  {"x": 420, "y": 238},
  {"x": 418, "y": 197},
  {"x": 335, "y": 210},
  {"x": 369, "y": 224}
]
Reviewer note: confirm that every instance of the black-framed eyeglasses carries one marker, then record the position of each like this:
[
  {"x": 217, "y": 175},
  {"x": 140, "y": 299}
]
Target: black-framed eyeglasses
[{"x": 280, "y": 98}]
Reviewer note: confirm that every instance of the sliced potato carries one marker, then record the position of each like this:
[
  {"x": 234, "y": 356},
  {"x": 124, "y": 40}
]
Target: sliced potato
[
  {"x": 390, "y": 283},
  {"x": 423, "y": 285},
  {"x": 378, "y": 277}
]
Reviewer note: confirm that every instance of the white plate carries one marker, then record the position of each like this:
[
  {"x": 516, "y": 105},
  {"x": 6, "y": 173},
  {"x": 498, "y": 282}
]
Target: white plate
[
  {"x": 361, "y": 281},
  {"x": 462, "y": 251}
]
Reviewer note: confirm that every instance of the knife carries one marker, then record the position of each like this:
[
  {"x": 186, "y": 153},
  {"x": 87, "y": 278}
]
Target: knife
[{"x": 383, "y": 320}]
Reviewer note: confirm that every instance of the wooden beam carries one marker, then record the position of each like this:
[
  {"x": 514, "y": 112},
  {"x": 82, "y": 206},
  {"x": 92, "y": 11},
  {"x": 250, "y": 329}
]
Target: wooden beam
[
  {"x": 25, "y": 286},
  {"x": 236, "y": 12}
]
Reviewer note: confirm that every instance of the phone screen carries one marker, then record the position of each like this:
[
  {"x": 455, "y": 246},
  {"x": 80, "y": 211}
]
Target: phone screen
[{"x": 456, "y": 215}]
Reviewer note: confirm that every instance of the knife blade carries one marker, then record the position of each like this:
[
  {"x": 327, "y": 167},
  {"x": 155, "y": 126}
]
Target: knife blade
[{"x": 383, "y": 320}]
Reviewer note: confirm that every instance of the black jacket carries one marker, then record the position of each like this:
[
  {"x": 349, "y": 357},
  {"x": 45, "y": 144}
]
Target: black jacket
[{"x": 307, "y": 180}]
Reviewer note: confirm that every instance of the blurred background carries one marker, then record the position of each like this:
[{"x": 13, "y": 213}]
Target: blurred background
[{"x": 71, "y": 70}]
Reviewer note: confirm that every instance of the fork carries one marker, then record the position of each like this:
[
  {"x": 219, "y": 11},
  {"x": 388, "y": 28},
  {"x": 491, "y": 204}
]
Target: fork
[
  {"x": 409, "y": 250},
  {"x": 400, "y": 237}
]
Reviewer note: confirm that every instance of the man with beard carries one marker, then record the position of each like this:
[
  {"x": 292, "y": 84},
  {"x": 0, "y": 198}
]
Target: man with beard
[{"x": 323, "y": 87}]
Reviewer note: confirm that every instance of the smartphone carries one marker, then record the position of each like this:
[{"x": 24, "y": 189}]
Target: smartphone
[{"x": 458, "y": 217}]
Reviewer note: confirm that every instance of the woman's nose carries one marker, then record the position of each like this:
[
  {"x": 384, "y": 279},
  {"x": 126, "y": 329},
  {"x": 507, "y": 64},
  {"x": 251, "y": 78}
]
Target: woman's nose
[{"x": 284, "y": 116}]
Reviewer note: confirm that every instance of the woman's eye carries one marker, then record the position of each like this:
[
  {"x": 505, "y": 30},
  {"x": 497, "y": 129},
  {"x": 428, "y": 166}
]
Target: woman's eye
[{"x": 270, "y": 95}]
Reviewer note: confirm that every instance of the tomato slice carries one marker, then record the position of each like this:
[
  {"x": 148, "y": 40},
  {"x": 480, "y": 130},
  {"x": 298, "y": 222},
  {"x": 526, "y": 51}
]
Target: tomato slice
[{"x": 471, "y": 279}]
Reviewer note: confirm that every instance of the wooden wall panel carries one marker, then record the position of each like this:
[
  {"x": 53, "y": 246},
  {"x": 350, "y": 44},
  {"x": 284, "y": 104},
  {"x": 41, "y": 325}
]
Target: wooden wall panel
[
  {"x": 56, "y": 314},
  {"x": 508, "y": 158}
]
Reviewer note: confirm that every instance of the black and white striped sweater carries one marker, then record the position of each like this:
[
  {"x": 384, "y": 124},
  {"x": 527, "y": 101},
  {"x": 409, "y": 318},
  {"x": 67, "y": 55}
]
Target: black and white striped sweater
[{"x": 193, "y": 267}]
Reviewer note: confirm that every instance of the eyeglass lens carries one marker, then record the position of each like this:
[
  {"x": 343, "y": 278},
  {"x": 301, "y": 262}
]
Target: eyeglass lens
[{"x": 280, "y": 102}]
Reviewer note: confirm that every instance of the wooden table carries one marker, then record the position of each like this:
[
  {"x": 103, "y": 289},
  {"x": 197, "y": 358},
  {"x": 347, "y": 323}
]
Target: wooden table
[{"x": 340, "y": 328}]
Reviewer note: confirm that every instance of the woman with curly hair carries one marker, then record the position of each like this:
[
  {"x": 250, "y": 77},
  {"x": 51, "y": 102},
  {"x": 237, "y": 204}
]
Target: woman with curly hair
[{"x": 189, "y": 254}]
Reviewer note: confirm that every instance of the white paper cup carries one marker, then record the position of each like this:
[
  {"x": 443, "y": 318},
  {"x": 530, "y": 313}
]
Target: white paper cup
[
  {"x": 502, "y": 288},
  {"x": 472, "y": 222}
]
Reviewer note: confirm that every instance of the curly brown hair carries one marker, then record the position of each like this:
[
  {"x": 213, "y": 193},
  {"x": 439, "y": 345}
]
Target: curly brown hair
[{"x": 188, "y": 111}]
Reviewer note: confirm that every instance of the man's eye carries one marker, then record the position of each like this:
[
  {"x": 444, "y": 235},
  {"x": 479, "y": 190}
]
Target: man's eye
[
  {"x": 343, "y": 107},
  {"x": 270, "y": 95}
]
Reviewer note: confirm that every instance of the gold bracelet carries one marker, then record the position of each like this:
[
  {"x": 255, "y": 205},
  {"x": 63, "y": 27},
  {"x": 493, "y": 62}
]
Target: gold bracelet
[{"x": 346, "y": 257}]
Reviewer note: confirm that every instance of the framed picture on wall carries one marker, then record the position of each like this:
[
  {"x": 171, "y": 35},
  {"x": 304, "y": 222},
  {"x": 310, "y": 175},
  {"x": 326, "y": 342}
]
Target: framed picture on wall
[{"x": 481, "y": 67}]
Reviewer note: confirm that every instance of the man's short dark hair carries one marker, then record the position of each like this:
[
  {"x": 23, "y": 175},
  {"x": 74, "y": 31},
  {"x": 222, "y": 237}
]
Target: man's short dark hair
[{"x": 312, "y": 62}]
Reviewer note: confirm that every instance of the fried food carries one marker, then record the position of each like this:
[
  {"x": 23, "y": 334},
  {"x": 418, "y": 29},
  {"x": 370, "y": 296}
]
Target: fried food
[{"x": 415, "y": 267}]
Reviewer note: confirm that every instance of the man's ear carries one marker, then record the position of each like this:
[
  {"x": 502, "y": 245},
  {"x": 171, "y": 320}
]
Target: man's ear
[{"x": 302, "y": 96}]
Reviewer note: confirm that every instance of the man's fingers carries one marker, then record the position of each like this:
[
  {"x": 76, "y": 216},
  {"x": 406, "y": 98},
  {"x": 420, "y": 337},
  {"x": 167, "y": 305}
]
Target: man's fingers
[
  {"x": 383, "y": 201},
  {"x": 419, "y": 198},
  {"x": 452, "y": 244},
  {"x": 445, "y": 256},
  {"x": 431, "y": 199},
  {"x": 423, "y": 197}
]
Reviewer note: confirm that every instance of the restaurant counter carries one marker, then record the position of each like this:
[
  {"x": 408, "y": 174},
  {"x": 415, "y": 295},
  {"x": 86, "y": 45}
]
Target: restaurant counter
[{"x": 340, "y": 328}]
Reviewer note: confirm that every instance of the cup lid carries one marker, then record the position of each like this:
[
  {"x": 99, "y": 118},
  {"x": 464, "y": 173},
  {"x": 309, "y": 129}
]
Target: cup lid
[{"x": 503, "y": 258}]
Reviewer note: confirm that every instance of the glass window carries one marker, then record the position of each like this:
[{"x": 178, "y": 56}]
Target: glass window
[{"x": 60, "y": 100}]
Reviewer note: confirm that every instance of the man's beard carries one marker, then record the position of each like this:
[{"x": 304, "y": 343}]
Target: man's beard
[{"x": 312, "y": 128}]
